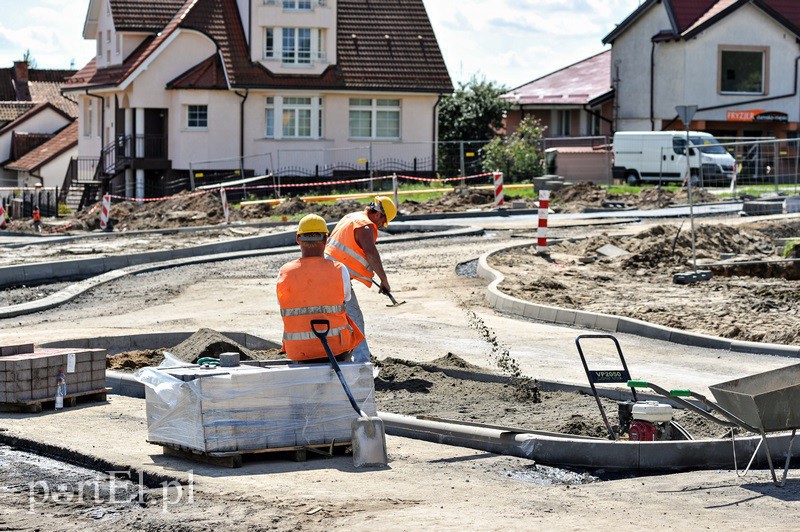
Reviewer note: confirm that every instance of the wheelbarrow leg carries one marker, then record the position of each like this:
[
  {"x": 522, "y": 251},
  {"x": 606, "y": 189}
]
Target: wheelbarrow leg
[{"x": 775, "y": 480}]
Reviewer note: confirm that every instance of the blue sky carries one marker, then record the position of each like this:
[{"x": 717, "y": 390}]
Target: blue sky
[{"x": 508, "y": 41}]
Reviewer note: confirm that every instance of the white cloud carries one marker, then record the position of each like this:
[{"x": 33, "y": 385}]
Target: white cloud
[
  {"x": 509, "y": 41},
  {"x": 515, "y": 41}
]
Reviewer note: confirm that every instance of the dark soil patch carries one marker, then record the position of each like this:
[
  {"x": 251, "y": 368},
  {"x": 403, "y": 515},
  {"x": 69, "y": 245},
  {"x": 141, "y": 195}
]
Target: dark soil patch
[{"x": 404, "y": 387}]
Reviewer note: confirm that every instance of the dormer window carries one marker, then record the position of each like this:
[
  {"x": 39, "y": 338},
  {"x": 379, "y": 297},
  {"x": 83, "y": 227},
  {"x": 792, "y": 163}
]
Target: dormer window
[
  {"x": 297, "y": 5},
  {"x": 295, "y": 46}
]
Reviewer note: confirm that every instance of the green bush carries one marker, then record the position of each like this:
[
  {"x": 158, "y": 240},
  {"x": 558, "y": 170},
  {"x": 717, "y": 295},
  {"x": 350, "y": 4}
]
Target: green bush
[
  {"x": 520, "y": 155},
  {"x": 63, "y": 210},
  {"x": 788, "y": 250}
]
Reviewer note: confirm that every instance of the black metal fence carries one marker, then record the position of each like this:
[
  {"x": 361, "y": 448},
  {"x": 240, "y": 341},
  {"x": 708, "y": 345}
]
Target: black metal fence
[{"x": 20, "y": 202}]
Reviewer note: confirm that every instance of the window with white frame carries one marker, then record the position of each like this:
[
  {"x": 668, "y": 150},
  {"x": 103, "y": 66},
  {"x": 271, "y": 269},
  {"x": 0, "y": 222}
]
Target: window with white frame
[
  {"x": 297, "y": 5},
  {"x": 300, "y": 117},
  {"x": 295, "y": 46},
  {"x": 269, "y": 43},
  {"x": 197, "y": 117},
  {"x": 374, "y": 118}
]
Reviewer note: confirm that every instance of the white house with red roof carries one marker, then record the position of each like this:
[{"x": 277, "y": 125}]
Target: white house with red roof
[
  {"x": 301, "y": 87},
  {"x": 737, "y": 60}
]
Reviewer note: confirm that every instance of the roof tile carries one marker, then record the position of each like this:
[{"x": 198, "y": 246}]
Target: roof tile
[{"x": 64, "y": 140}]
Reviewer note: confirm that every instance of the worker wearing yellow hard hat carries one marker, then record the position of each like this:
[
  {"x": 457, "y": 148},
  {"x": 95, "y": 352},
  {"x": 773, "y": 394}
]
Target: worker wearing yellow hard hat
[
  {"x": 315, "y": 288},
  {"x": 352, "y": 243}
]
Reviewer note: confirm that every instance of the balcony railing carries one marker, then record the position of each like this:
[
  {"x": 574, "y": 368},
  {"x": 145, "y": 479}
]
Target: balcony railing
[
  {"x": 117, "y": 155},
  {"x": 298, "y": 5}
]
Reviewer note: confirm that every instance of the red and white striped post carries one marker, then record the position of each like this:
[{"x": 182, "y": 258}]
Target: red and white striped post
[
  {"x": 2, "y": 217},
  {"x": 225, "y": 207},
  {"x": 104, "y": 212},
  {"x": 498, "y": 188},
  {"x": 396, "y": 191},
  {"x": 541, "y": 232}
]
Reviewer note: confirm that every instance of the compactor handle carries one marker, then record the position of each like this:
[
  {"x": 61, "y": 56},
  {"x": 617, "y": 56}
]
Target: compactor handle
[
  {"x": 638, "y": 384},
  {"x": 680, "y": 393}
]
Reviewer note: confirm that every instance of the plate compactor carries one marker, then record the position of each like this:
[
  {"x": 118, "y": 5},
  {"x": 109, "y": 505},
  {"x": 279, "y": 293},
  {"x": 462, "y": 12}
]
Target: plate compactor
[{"x": 638, "y": 420}]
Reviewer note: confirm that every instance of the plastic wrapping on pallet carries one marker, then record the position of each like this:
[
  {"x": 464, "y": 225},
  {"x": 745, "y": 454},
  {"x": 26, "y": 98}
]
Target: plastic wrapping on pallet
[{"x": 248, "y": 408}]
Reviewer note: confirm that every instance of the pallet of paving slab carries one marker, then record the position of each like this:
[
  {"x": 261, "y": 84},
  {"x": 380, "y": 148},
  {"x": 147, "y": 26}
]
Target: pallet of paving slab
[
  {"x": 72, "y": 399},
  {"x": 233, "y": 459}
]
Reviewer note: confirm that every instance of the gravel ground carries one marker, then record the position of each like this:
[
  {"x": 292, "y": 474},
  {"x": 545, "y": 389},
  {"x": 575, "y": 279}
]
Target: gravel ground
[
  {"x": 123, "y": 244},
  {"x": 760, "y": 305}
]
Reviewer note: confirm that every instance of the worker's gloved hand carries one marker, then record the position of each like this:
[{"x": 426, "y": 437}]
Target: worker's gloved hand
[{"x": 385, "y": 288}]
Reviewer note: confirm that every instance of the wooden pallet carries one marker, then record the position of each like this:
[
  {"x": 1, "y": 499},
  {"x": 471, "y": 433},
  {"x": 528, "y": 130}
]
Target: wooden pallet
[
  {"x": 37, "y": 405},
  {"x": 233, "y": 459}
]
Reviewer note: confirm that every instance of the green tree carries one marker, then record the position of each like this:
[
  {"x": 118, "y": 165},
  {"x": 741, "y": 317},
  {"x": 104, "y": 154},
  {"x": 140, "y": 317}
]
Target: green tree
[
  {"x": 28, "y": 58},
  {"x": 520, "y": 155},
  {"x": 473, "y": 112}
]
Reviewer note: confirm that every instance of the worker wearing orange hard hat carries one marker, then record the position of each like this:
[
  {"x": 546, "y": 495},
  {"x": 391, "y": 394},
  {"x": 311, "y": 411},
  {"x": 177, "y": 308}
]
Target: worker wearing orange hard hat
[
  {"x": 352, "y": 243},
  {"x": 315, "y": 288}
]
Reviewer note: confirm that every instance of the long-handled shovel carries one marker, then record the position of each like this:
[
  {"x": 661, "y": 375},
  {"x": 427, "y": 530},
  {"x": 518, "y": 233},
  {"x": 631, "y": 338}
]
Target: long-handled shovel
[
  {"x": 368, "y": 436},
  {"x": 391, "y": 297}
]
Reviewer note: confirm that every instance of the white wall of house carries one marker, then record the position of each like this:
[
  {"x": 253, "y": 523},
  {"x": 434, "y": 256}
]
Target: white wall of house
[
  {"x": 46, "y": 121},
  {"x": 50, "y": 174},
  {"x": 90, "y": 141},
  {"x": 630, "y": 54}
]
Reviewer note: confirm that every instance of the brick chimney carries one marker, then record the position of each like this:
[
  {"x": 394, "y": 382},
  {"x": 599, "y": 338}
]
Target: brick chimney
[{"x": 21, "y": 71}]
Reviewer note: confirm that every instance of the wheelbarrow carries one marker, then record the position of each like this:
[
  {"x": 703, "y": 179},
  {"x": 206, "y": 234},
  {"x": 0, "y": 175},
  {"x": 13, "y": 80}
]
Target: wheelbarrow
[{"x": 762, "y": 403}]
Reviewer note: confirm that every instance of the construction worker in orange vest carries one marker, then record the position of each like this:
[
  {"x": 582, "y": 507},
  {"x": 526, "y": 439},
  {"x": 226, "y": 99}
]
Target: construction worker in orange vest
[
  {"x": 315, "y": 288},
  {"x": 352, "y": 243},
  {"x": 37, "y": 219}
]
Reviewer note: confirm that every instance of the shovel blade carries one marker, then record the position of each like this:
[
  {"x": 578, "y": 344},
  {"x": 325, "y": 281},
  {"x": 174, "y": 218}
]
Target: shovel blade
[{"x": 369, "y": 442}]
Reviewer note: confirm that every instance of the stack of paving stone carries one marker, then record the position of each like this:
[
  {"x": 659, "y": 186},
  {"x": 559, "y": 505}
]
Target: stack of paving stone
[
  {"x": 248, "y": 408},
  {"x": 28, "y": 374}
]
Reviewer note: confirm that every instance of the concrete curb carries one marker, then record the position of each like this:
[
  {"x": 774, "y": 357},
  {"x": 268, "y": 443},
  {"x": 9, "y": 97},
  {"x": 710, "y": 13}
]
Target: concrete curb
[
  {"x": 107, "y": 269},
  {"x": 610, "y": 322}
]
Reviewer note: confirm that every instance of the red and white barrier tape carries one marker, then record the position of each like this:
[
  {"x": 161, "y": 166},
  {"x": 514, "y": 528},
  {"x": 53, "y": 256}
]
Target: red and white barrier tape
[
  {"x": 69, "y": 225},
  {"x": 443, "y": 180},
  {"x": 541, "y": 232}
]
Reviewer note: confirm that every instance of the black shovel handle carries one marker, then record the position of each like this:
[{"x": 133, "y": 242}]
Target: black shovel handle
[
  {"x": 380, "y": 289},
  {"x": 323, "y": 337}
]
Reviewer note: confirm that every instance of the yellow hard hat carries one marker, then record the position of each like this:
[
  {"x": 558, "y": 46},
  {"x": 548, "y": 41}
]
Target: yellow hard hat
[
  {"x": 312, "y": 224},
  {"x": 386, "y": 207}
]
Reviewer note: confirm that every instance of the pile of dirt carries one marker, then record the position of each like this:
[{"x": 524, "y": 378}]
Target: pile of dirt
[
  {"x": 208, "y": 343},
  {"x": 404, "y": 387},
  {"x": 459, "y": 199},
  {"x": 580, "y": 196},
  {"x": 133, "y": 360},
  {"x": 757, "y": 303},
  {"x": 332, "y": 212}
]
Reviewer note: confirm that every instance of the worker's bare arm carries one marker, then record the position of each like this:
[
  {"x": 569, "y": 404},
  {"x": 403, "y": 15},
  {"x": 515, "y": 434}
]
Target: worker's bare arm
[{"x": 364, "y": 238}]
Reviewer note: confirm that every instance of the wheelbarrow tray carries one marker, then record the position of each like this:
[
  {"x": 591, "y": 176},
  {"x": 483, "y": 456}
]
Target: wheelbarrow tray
[{"x": 769, "y": 401}]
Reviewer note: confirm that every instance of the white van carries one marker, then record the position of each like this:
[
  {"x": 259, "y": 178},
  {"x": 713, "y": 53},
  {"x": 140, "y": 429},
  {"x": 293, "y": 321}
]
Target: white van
[{"x": 655, "y": 156}]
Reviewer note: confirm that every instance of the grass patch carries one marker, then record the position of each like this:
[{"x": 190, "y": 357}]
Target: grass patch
[
  {"x": 758, "y": 190},
  {"x": 628, "y": 189},
  {"x": 788, "y": 249}
]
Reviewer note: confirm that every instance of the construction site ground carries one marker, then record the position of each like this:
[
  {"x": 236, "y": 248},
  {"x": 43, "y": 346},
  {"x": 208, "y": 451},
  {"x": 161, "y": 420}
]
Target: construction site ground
[{"x": 426, "y": 485}]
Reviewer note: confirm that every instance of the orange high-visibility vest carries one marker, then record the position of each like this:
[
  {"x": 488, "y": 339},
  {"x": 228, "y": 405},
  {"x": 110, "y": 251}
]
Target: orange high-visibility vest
[
  {"x": 343, "y": 247},
  {"x": 37, "y": 216},
  {"x": 312, "y": 289}
]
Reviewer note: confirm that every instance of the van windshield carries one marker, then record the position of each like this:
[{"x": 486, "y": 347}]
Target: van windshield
[{"x": 708, "y": 145}]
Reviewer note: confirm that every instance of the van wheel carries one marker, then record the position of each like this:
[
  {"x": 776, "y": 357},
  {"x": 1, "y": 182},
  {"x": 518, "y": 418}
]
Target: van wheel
[{"x": 632, "y": 178}]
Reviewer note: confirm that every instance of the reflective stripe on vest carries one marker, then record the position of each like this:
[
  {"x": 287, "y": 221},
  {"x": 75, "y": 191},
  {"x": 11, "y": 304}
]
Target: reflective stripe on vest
[
  {"x": 302, "y": 311},
  {"x": 367, "y": 281},
  {"x": 361, "y": 260},
  {"x": 310, "y": 334}
]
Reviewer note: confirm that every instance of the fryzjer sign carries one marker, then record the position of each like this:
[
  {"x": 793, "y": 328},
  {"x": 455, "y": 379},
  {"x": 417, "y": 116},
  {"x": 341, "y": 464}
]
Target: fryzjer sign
[{"x": 757, "y": 115}]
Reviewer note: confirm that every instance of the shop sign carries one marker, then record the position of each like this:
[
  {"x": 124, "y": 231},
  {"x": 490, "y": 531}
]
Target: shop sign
[{"x": 757, "y": 115}]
